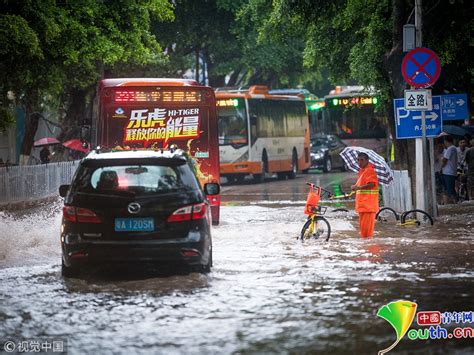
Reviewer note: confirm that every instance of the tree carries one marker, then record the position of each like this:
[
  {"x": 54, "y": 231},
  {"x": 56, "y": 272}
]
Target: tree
[
  {"x": 59, "y": 50},
  {"x": 361, "y": 40}
]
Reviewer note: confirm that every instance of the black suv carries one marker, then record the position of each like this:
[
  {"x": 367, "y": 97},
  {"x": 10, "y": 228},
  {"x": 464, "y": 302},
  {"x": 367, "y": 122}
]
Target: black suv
[{"x": 136, "y": 207}]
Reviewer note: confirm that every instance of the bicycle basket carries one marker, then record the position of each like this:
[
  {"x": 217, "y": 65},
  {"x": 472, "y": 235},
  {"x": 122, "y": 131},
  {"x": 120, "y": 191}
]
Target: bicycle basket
[{"x": 312, "y": 200}]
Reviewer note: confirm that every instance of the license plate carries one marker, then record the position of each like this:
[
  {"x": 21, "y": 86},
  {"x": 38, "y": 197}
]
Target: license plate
[{"x": 134, "y": 225}]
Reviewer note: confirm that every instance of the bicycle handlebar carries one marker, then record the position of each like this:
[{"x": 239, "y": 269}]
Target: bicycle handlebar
[
  {"x": 322, "y": 189},
  {"x": 331, "y": 195},
  {"x": 343, "y": 196}
]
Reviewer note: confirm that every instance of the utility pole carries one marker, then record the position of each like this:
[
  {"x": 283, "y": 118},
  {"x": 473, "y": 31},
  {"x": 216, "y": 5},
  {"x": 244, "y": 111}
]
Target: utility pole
[
  {"x": 422, "y": 200},
  {"x": 420, "y": 143}
]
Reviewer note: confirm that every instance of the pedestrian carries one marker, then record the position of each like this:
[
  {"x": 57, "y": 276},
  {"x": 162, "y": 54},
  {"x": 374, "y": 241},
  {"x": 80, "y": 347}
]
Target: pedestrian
[
  {"x": 45, "y": 155},
  {"x": 438, "y": 155},
  {"x": 367, "y": 196},
  {"x": 470, "y": 172},
  {"x": 462, "y": 149},
  {"x": 449, "y": 170},
  {"x": 468, "y": 139}
]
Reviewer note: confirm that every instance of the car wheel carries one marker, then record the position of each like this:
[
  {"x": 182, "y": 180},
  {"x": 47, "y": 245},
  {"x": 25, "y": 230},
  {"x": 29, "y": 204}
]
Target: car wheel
[
  {"x": 205, "y": 269},
  {"x": 69, "y": 271},
  {"x": 327, "y": 165}
]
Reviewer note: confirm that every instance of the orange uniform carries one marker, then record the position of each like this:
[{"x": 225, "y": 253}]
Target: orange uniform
[{"x": 367, "y": 200}]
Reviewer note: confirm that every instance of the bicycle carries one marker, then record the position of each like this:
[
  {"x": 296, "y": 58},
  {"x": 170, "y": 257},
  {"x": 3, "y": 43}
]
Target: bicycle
[
  {"x": 316, "y": 226},
  {"x": 462, "y": 187},
  {"x": 412, "y": 217}
]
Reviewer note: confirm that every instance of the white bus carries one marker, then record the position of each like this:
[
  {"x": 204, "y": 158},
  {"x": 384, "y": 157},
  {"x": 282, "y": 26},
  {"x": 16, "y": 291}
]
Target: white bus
[{"x": 261, "y": 134}]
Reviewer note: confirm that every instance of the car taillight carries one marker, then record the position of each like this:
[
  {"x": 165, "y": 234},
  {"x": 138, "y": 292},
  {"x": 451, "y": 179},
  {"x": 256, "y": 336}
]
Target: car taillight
[
  {"x": 69, "y": 213},
  {"x": 188, "y": 213},
  {"x": 80, "y": 215}
]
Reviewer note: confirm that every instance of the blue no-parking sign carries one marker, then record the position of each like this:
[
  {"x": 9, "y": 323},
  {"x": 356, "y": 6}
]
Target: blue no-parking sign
[{"x": 421, "y": 67}]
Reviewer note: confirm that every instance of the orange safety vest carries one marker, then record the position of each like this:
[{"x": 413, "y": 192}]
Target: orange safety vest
[{"x": 367, "y": 200}]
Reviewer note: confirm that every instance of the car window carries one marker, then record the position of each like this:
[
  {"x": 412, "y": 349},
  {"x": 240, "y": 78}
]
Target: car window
[
  {"x": 319, "y": 142},
  {"x": 136, "y": 179}
]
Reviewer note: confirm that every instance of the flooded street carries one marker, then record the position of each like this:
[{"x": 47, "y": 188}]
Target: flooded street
[{"x": 267, "y": 292}]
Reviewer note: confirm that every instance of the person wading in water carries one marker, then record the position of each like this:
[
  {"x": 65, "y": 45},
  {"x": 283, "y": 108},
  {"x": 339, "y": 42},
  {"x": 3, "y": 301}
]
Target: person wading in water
[{"x": 367, "y": 196}]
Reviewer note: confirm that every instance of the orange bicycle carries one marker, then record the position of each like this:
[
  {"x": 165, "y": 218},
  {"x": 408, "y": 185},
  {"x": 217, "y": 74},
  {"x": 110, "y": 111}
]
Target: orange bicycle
[{"x": 316, "y": 226}]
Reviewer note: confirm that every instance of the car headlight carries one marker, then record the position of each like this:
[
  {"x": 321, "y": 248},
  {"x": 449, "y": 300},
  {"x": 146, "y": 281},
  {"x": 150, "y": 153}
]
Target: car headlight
[{"x": 317, "y": 155}]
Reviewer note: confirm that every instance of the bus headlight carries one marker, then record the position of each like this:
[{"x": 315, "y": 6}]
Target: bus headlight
[{"x": 243, "y": 157}]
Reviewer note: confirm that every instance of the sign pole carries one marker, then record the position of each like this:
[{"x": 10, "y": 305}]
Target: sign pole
[
  {"x": 420, "y": 144},
  {"x": 433, "y": 179}
]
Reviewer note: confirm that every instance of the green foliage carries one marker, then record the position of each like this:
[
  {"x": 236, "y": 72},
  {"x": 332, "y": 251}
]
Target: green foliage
[
  {"x": 7, "y": 118},
  {"x": 50, "y": 48},
  {"x": 352, "y": 39}
]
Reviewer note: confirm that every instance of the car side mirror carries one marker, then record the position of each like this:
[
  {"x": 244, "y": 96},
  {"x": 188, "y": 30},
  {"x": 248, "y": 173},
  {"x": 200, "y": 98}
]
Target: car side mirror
[
  {"x": 212, "y": 188},
  {"x": 63, "y": 189}
]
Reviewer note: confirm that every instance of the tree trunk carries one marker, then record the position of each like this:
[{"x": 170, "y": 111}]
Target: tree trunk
[
  {"x": 76, "y": 112},
  {"x": 197, "y": 64},
  {"x": 234, "y": 76},
  {"x": 404, "y": 148},
  {"x": 31, "y": 126}
]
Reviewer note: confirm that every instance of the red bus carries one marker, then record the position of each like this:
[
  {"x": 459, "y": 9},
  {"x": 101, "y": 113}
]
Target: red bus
[{"x": 156, "y": 113}]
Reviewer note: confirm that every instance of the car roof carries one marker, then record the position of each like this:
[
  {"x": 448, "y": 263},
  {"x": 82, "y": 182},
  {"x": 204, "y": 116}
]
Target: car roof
[{"x": 97, "y": 155}]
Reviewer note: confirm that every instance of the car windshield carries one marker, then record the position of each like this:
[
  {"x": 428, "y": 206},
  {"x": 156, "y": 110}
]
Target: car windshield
[
  {"x": 134, "y": 180},
  {"x": 319, "y": 143}
]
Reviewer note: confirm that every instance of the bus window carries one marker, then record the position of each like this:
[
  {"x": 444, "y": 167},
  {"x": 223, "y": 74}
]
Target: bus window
[{"x": 233, "y": 123}]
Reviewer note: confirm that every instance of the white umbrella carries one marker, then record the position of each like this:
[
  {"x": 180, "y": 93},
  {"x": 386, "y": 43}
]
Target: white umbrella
[{"x": 383, "y": 171}]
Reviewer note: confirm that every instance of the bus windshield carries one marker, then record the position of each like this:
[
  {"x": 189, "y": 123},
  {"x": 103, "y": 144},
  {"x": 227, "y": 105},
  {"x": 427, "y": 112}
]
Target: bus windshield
[
  {"x": 233, "y": 124},
  {"x": 354, "y": 122}
]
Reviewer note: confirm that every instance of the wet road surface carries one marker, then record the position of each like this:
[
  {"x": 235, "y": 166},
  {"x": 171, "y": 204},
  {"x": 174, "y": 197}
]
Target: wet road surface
[{"x": 267, "y": 293}]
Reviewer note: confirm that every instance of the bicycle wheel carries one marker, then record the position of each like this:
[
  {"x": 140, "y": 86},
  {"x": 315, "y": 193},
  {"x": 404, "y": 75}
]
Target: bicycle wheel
[
  {"x": 387, "y": 214},
  {"x": 462, "y": 192},
  {"x": 418, "y": 217},
  {"x": 322, "y": 229}
]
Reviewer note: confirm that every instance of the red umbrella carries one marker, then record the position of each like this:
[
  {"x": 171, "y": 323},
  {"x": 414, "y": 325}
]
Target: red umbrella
[
  {"x": 46, "y": 141},
  {"x": 76, "y": 144}
]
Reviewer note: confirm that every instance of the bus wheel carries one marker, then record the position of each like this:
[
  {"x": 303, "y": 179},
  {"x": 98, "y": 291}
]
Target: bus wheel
[
  {"x": 240, "y": 178},
  {"x": 281, "y": 176},
  {"x": 294, "y": 166},
  {"x": 261, "y": 177}
]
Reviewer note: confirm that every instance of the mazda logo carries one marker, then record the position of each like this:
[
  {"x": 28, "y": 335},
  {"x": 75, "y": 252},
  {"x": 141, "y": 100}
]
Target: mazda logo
[{"x": 134, "y": 208}]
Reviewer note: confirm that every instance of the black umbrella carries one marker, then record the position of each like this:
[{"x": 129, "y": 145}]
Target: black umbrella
[{"x": 455, "y": 130}]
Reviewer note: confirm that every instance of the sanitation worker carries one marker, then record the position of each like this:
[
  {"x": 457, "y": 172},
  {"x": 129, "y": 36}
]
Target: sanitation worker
[{"x": 367, "y": 196}]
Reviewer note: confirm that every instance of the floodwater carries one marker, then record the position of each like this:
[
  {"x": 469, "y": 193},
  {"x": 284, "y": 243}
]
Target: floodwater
[{"x": 267, "y": 292}]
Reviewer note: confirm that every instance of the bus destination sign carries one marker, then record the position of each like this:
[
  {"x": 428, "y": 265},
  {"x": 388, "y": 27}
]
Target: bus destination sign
[{"x": 352, "y": 101}]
